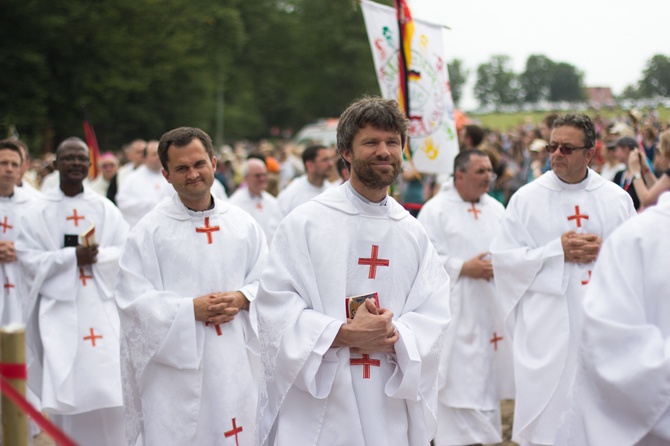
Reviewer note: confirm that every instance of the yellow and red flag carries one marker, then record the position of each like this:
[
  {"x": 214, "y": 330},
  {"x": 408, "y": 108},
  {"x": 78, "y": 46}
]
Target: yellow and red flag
[{"x": 93, "y": 149}]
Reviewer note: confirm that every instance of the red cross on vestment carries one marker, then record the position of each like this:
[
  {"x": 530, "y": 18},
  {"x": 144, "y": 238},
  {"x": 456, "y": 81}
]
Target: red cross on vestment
[
  {"x": 584, "y": 282},
  {"x": 218, "y": 328},
  {"x": 578, "y": 217},
  {"x": 373, "y": 262},
  {"x": 475, "y": 211},
  {"x": 83, "y": 276},
  {"x": 75, "y": 217},
  {"x": 495, "y": 340},
  {"x": 92, "y": 337},
  {"x": 233, "y": 432},
  {"x": 208, "y": 230},
  {"x": 8, "y": 285},
  {"x": 5, "y": 226},
  {"x": 366, "y": 362},
  {"x": 259, "y": 205}
]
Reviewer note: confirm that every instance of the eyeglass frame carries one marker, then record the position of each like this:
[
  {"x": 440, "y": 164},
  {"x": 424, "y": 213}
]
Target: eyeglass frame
[{"x": 564, "y": 150}]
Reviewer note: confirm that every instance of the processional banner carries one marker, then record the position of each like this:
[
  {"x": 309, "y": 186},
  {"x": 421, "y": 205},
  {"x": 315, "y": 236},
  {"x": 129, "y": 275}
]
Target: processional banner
[{"x": 433, "y": 139}]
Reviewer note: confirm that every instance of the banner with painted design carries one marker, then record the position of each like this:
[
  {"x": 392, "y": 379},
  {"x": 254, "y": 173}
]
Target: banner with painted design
[{"x": 433, "y": 138}]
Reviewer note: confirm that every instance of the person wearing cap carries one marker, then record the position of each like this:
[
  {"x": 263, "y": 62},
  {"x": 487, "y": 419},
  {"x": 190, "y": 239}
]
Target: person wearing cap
[
  {"x": 538, "y": 155},
  {"x": 624, "y": 178},
  {"x": 611, "y": 164}
]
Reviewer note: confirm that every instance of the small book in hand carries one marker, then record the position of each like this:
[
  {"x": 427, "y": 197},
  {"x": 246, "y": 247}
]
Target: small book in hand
[
  {"x": 352, "y": 303},
  {"x": 88, "y": 237}
]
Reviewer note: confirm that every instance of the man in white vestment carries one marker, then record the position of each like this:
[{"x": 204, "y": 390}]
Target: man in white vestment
[
  {"x": 13, "y": 201},
  {"x": 542, "y": 263},
  {"x": 135, "y": 154},
  {"x": 189, "y": 271},
  {"x": 144, "y": 188},
  {"x": 353, "y": 306},
  {"x": 24, "y": 176},
  {"x": 461, "y": 221},
  {"x": 318, "y": 163},
  {"x": 73, "y": 325},
  {"x": 254, "y": 199},
  {"x": 622, "y": 389}
]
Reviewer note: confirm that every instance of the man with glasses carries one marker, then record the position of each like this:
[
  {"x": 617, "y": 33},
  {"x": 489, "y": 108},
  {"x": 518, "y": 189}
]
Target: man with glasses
[
  {"x": 542, "y": 263},
  {"x": 69, "y": 248}
]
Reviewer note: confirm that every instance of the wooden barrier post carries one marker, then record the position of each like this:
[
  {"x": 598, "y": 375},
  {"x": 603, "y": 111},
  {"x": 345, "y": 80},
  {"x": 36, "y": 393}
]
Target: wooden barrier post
[{"x": 13, "y": 363}]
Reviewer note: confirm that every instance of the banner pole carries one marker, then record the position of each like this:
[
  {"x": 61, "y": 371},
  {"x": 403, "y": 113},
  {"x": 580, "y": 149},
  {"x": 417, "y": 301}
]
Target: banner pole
[{"x": 13, "y": 369}]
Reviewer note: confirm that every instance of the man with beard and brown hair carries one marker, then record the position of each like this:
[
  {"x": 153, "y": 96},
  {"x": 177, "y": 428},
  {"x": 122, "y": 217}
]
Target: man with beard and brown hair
[{"x": 353, "y": 305}]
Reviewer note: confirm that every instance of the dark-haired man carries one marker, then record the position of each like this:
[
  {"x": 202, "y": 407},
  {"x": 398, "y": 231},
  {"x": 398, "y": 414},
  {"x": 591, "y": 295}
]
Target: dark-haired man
[
  {"x": 542, "y": 263},
  {"x": 353, "y": 305},
  {"x": 73, "y": 324},
  {"x": 318, "y": 161},
  {"x": 13, "y": 201},
  {"x": 461, "y": 221},
  {"x": 187, "y": 276}
]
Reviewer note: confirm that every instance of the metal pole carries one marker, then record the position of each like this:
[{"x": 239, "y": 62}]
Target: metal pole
[{"x": 13, "y": 359}]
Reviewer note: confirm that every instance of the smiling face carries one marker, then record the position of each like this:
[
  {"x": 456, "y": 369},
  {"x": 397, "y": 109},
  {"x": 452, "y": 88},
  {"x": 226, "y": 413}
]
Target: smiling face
[
  {"x": 375, "y": 159},
  {"x": 570, "y": 168},
  {"x": 72, "y": 162},
  {"x": 190, "y": 170}
]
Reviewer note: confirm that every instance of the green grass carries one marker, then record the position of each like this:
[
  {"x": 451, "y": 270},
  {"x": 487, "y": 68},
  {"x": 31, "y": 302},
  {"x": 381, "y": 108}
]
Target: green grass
[{"x": 507, "y": 121}]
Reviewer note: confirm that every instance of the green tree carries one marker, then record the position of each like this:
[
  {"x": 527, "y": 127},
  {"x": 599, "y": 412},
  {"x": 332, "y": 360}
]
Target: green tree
[
  {"x": 458, "y": 76},
  {"x": 536, "y": 78},
  {"x": 496, "y": 83},
  {"x": 566, "y": 83},
  {"x": 656, "y": 77}
]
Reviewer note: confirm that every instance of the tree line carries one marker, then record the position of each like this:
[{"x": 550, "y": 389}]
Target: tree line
[
  {"x": 235, "y": 68},
  {"x": 545, "y": 80}
]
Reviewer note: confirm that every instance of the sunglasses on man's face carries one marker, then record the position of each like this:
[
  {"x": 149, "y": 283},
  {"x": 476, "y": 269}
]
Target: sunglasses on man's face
[{"x": 565, "y": 150}]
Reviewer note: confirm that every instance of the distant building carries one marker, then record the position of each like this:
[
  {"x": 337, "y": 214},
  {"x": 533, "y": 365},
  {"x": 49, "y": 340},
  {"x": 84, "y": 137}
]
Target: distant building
[{"x": 600, "y": 97}]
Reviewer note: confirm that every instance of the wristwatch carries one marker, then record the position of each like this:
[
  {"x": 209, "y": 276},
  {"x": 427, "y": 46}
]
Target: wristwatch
[{"x": 637, "y": 176}]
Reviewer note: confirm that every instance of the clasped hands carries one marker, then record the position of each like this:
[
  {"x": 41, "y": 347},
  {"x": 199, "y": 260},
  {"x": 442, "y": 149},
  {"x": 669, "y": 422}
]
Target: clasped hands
[
  {"x": 370, "y": 331},
  {"x": 580, "y": 248},
  {"x": 219, "y": 308}
]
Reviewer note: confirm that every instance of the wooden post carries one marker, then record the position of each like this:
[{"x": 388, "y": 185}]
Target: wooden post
[{"x": 13, "y": 356}]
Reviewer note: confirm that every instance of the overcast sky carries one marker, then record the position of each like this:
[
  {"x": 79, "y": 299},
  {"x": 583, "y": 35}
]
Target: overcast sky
[{"x": 610, "y": 42}]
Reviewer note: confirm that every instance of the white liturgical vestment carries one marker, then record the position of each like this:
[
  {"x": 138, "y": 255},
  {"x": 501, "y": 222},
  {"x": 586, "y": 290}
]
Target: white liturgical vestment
[
  {"x": 334, "y": 247},
  {"x": 542, "y": 294},
  {"x": 186, "y": 383},
  {"x": 140, "y": 191},
  {"x": 11, "y": 280},
  {"x": 622, "y": 390},
  {"x": 461, "y": 230},
  {"x": 73, "y": 325},
  {"x": 298, "y": 191},
  {"x": 262, "y": 207}
]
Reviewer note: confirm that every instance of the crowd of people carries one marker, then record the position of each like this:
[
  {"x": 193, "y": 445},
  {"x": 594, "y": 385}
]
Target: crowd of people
[{"x": 278, "y": 295}]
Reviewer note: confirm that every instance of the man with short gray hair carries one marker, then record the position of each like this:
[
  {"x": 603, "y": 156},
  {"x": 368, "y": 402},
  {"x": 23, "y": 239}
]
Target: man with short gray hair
[{"x": 253, "y": 198}]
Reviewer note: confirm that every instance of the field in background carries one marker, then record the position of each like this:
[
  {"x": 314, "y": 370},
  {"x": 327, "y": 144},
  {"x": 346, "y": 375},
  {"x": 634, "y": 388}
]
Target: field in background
[{"x": 506, "y": 121}]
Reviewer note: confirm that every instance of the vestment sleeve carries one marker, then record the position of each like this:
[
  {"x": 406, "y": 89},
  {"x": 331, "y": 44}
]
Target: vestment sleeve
[
  {"x": 622, "y": 387},
  {"x": 520, "y": 265},
  {"x": 422, "y": 327},
  {"x": 152, "y": 318}
]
